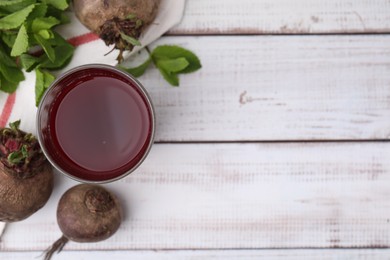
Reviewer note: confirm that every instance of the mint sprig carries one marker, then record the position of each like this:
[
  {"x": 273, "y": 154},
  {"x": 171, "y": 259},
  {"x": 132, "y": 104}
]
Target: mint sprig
[
  {"x": 170, "y": 60},
  {"x": 24, "y": 25}
]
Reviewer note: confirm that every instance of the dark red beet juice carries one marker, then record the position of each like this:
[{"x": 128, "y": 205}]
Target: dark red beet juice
[{"x": 96, "y": 123}]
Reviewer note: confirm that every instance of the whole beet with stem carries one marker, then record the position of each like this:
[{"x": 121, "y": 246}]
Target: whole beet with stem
[
  {"x": 118, "y": 22},
  {"x": 26, "y": 177},
  {"x": 86, "y": 213}
]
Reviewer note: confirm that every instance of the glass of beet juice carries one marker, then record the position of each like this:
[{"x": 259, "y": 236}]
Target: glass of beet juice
[{"x": 96, "y": 123}]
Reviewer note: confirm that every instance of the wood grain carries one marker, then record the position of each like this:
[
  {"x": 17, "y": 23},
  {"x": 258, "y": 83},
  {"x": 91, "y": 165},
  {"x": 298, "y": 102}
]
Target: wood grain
[
  {"x": 237, "y": 196},
  {"x": 254, "y": 88},
  {"x": 348, "y": 254},
  {"x": 285, "y": 17}
]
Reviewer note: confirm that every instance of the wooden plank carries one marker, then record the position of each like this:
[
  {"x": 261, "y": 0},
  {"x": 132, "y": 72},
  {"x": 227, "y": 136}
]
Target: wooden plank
[
  {"x": 277, "y": 88},
  {"x": 351, "y": 254},
  {"x": 285, "y": 17},
  {"x": 255, "y": 88},
  {"x": 237, "y": 196}
]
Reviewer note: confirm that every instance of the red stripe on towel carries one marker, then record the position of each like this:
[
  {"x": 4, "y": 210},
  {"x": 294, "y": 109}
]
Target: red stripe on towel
[
  {"x": 7, "y": 109},
  {"x": 83, "y": 39}
]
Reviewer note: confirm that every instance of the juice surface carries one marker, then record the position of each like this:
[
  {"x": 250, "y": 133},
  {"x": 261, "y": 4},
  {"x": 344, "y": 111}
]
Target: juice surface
[{"x": 101, "y": 126}]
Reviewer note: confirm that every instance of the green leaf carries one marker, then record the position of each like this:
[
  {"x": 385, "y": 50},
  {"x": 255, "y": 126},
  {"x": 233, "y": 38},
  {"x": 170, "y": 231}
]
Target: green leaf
[
  {"x": 18, "y": 156},
  {"x": 44, "y": 23},
  {"x": 46, "y": 47},
  {"x": 15, "y": 19},
  {"x": 39, "y": 85},
  {"x": 39, "y": 11},
  {"x": 170, "y": 77},
  {"x": 172, "y": 60},
  {"x": 6, "y": 59},
  {"x": 174, "y": 65},
  {"x": 58, "y": 14},
  {"x": 169, "y": 52},
  {"x": 130, "y": 39},
  {"x": 7, "y": 86},
  {"x": 21, "y": 42},
  {"x": 8, "y": 38},
  {"x": 11, "y": 2},
  {"x": 138, "y": 24},
  {"x": 63, "y": 54},
  {"x": 170, "y": 68},
  {"x": 139, "y": 70},
  {"x": 15, "y": 125},
  {"x": 24, "y": 151},
  {"x": 29, "y": 62},
  {"x": 42, "y": 83},
  {"x": 46, "y": 34},
  {"x": 11, "y": 74},
  {"x": 131, "y": 16},
  {"x": 58, "y": 40},
  {"x": 15, "y": 5},
  {"x": 2, "y": 13},
  {"x": 59, "y": 4}
]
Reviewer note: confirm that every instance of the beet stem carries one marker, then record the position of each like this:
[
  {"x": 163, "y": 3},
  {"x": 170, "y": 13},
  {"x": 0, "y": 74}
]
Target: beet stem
[{"x": 56, "y": 247}]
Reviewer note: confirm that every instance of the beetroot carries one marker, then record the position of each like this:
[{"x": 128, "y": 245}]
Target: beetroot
[
  {"x": 26, "y": 177},
  {"x": 118, "y": 22},
  {"x": 86, "y": 213}
]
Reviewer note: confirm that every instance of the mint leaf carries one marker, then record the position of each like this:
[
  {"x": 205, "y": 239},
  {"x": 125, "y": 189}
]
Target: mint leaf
[
  {"x": 174, "y": 65},
  {"x": 15, "y": 19},
  {"x": 59, "y": 4},
  {"x": 21, "y": 42},
  {"x": 2, "y": 14},
  {"x": 42, "y": 83},
  {"x": 139, "y": 70},
  {"x": 46, "y": 47},
  {"x": 169, "y": 52},
  {"x": 45, "y": 34},
  {"x": 170, "y": 68},
  {"x": 7, "y": 86},
  {"x": 58, "y": 14},
  {"x": 170, "y": 77},
  {"x": 58, "y": 40},
  {"x": 11, "y": 2},
  {"x": 172, "y": 60},
  {"x": 130, "y": 39},
  {"x": 63, "y": 54},
  {"x": 11, "y": 74},
  {"x": 39, "y": 11},
  {"x": 44, "y": 23},
  {"x": 6, "y": 59},
  {"x": 29, "y": 62},
  {"x": 15, "y": 5},
  {"x": 8, "y": 38}
]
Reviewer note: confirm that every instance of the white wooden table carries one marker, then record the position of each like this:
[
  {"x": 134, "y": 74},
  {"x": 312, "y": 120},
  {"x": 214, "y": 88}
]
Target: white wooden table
[{"x": 278, "y": 148}]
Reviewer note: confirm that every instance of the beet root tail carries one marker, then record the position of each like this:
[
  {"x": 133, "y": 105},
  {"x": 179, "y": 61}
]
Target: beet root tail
[{"x": 56, "y": 247}]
